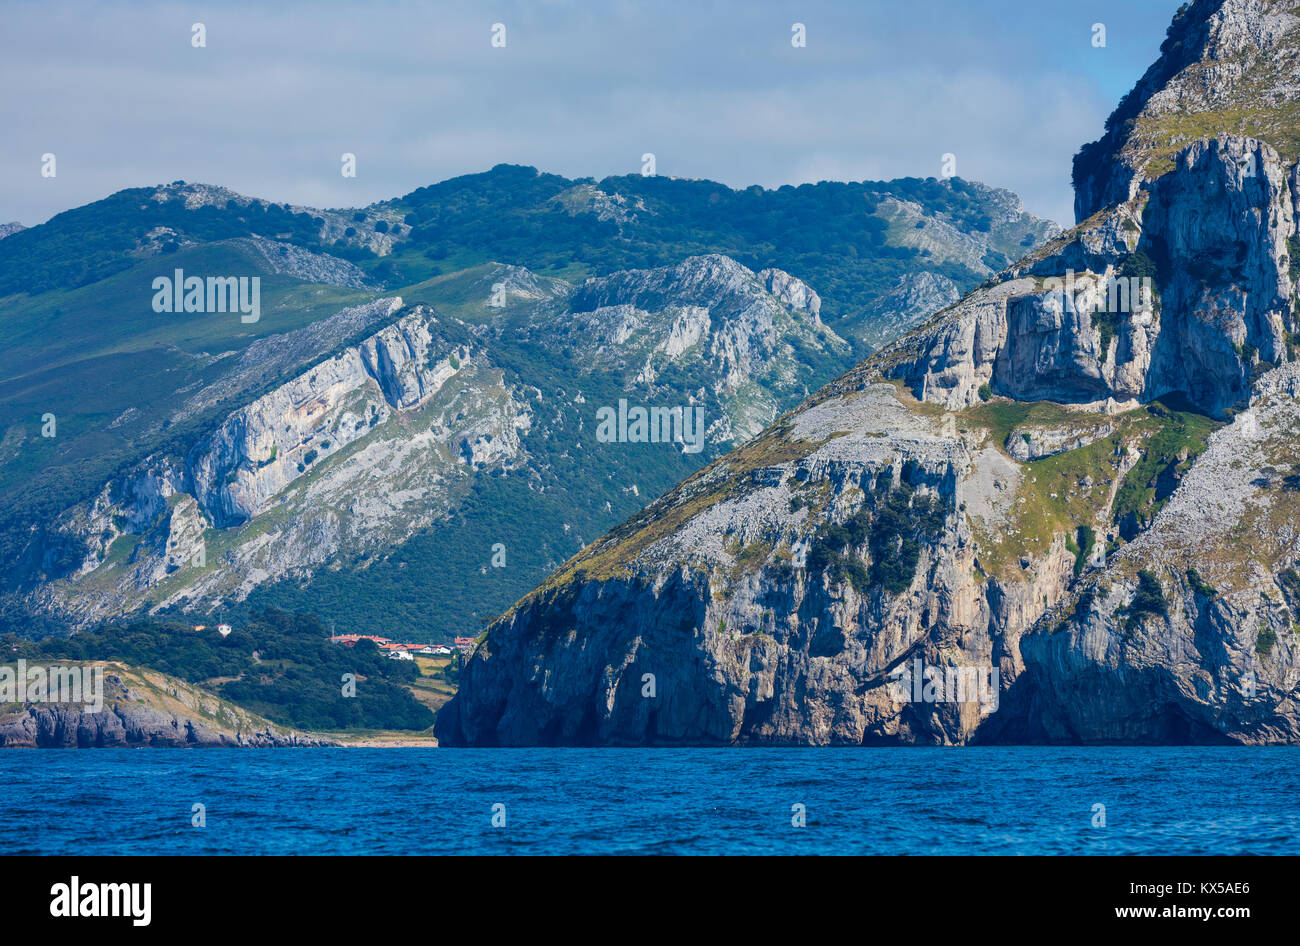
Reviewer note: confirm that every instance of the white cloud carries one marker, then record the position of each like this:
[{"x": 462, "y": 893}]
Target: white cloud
[{"x": 419, "y": 95}]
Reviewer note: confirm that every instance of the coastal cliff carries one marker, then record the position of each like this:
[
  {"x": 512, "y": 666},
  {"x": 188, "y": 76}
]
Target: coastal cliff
[{"x": 1077, "y": 484}]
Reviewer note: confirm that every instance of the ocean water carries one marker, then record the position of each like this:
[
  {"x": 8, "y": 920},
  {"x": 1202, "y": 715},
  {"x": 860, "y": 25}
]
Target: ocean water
[{"x": 1012, "y": 800}]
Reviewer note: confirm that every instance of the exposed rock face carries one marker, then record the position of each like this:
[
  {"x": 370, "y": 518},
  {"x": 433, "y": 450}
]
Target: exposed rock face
[
  {"x": 743, "y": 642},
  {"x": 793, "y": 292},
  {"x": 1011, "y": 231},
  {"x": 229, "y": 426},
  {"x": 9, "y": 229},
  {"x": 334, "y": 225},
  {"x": 271, "y": 461},
  {"x": 288, "y": 260},
  {"x": 912, "y": 301},
  {"x": 1223, "y": 662},
  {"x": 380, "y": 438},
  {"x": 1075, "y": 327},
  {"x": 989, "y": 496},
  {"x": 261, "y": 448},
  {"x": 587, "y": 198},
  {"x": 1226, "y": 65},
  {"x": 145, "y": 708},
  {"x": 1034, "y": 443},
  {"x": 743, "y": 338}
]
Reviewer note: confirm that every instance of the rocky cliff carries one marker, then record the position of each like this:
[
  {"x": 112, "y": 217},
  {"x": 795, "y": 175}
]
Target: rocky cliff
[
  {"x": 380, "y": 438},
  {"x": 1061, "y": 510},
  {"x": 1225, "y": 66},
  {"x": 143, "y": 708},
  {"x": 322, "y": 462},
  {"x": 322, "y": 457}
]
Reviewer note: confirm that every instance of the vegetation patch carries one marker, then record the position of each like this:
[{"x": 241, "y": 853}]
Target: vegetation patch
[
  {"x": 1180, "y": 438},
  {"x": 1289, "y": 581},
  {"x": 894, "y": 526},
  {"x": 1080, "y": 546},
  {"x": 1148, "y": 600},
  {"x": 277, "y": 665},
  {"x": 1198, "y": 585},
  {"x": 1055, "y": 494}
]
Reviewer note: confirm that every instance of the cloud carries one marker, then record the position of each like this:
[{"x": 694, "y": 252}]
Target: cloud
[{"x": 418, "y": 93}]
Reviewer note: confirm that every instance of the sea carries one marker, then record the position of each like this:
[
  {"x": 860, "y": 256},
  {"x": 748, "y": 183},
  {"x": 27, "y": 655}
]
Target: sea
[{"x": 353, "y": 801}]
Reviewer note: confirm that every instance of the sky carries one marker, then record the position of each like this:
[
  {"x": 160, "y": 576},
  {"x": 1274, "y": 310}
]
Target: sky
[{"x": 121, "y": 96}]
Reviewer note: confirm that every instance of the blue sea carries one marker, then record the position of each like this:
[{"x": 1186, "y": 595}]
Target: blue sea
[{"x": 1013, "y": 800}]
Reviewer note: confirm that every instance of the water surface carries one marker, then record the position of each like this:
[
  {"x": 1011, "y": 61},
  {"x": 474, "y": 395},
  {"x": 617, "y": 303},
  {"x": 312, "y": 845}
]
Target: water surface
[{"x": 1004, "y": 800}]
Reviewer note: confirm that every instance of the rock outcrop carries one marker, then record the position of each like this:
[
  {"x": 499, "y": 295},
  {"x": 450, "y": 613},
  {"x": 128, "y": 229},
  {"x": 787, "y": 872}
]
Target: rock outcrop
[
  {"x": 1225, "y": 66},
  {"x": 1185, "y": 288},
  {"x": 1029, "y": 520},
  {"x": 354, "y": 447},
  {"x": 144, "y": 708}
]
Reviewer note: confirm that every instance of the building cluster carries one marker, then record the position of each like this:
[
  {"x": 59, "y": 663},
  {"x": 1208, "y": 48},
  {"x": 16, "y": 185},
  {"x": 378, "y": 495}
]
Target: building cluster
[
  {"x": 396, "y": 650},
  {"x": 222, "y": 629}
]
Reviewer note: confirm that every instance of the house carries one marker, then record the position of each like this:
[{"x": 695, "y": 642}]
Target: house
[
  {"x": 350, "y": 640},
  {"x": 465, "y": 644}
]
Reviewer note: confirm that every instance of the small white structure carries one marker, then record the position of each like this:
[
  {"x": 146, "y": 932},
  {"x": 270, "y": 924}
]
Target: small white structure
[{"x": 224, "y": 630}]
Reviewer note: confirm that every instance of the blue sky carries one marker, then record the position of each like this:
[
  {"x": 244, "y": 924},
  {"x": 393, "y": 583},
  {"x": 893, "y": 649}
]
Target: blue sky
[{"x": 418, "y": 93}]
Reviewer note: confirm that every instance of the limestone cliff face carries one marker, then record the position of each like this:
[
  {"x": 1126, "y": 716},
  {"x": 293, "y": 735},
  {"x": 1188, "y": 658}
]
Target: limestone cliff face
[
  {"x": 1039, "y": 487},
  {"x": 1074, "y": 323},
  {"x": 1220, "y": 661},
  {"x": 351, "y": 447},
  {"x": 735, "y": 342},
  {"x": 263, "y": 447},
  {"x": 739, "y": 626},
  {"x": 323, "y": 462},
  {"x": 1225, "y": 66}
]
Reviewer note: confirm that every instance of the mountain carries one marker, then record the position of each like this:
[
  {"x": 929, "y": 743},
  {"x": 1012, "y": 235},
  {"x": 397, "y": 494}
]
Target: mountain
[
  {"x": 1224, "y": 68},
  {"x": 399, "y": 389},
  {"x": 1061, "y": 510}
]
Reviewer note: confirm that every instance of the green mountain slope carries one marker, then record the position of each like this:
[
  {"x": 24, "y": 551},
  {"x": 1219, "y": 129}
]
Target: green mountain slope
[{"x": 149, "y": 408}]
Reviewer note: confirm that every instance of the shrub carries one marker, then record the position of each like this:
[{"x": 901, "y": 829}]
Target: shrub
[
  {"x": 276, "y": 664},
  {"x": 1199, "y": 585},
  {"x": 1148, "y": 600},
  {"x": 1081, "y": 545},
  {"x": 1289, "y": 581}
]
